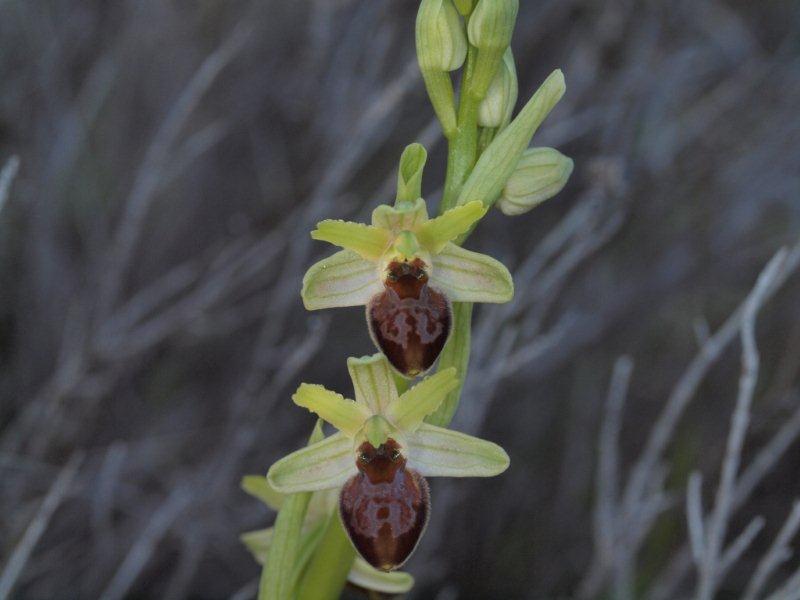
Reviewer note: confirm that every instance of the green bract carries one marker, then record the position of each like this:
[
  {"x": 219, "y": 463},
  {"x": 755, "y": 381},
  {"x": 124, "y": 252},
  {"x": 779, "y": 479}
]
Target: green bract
[
  {"x": 499, "y": 160},
  {"x": 540, "y": 174},
  {"x": 377, "y": 414},
  {"x": 403, "y": 233}
]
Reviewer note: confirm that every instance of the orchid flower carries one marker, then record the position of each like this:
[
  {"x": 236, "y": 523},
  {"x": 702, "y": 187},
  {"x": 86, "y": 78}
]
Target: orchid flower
[
  {"x": 380, "y": 457},
  {"x": 407, "y": 271}
]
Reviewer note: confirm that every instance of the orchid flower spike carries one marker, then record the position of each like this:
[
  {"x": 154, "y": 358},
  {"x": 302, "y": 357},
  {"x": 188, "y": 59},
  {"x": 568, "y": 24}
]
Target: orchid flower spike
[
  {"x": 381, "y": 455},
  {"x": 406, "y": 269}
]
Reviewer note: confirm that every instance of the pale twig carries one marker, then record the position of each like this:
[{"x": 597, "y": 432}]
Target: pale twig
[
  {"x": 790, "y": 590},
  {"x": 710, "y": 570},
  {"x": 694, "y": 516},
  {"x": 22, "y": 552},
  {"x": 641, "y": 481},
  {"x": 143, "y": 548},
  {"x": 766, "y": 459},
  {"x": 607, "y": 482},
  {"x": 607, "y": 517},
  {"x": 152, "y": 167},
  {"x": 739, "y": 545},
  {"x": 686, "y": 387},
  {"x": 778, "y": 553},
  {"x": 7, "y": 175}
]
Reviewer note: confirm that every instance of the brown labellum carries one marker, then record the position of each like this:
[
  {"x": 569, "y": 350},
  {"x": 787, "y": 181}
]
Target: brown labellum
[
  {"x": 410, "y": 321},
  {"x": 385, "y": 507}
]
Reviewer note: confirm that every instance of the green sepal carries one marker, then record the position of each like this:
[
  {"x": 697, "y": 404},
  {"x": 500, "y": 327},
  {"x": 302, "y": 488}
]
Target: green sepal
[
  {"x": 439, "y": 452},
  {"x": 342, "y": 279},
  {"x": 409, "y": 173},
  {"x": 373, "y": 381},
  {"x": 466, "y": 276},
  {"x": 326, "y": 464},
  {"x": 365, "y": 576},
  {"x": 407, "y": 216}
]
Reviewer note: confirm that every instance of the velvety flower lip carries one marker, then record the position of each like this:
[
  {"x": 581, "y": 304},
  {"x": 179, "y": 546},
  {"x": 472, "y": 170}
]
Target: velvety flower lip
[
  {"x": 319, "y": 509},
  {"x": 380, "y": 456},
  {"x": 406, "y": 269}
]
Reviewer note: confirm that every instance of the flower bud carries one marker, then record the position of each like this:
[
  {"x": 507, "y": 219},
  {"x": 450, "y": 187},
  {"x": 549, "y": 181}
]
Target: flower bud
[
  {"x": 497, "y": 106},
  {"x": 540, "y": 174},
  {"x": 492, "y": 23},
  {"x": 441, "y": 47},
  {"x": 441, "y": 43}
]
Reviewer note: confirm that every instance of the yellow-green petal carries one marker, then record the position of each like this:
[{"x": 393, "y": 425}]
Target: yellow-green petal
[
  {"x": 439, "y": 452},
  {"x": 365, "y": 576},
  {"x": 347, "y": 416},
  {"x": 466, "y": 276},
  {"x": 367, "y": 241},
  {"x": 435, "y": 234},
  {"x": 343, "y": 279},
  {"x": 326, "y": 464},
  {"x": 410, "y": 409},
  {"x": 373, "y": 382}
]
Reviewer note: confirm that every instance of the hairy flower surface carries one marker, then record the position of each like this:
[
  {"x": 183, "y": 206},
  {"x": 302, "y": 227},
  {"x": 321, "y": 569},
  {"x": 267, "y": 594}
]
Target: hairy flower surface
[
  {"x": 405, "y": 268},
  {"x": 381, "y": 456},
  {"x": 322, "y": 503}
]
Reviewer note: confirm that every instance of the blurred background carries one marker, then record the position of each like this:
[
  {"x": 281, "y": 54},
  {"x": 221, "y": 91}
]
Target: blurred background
[{"x": 164, "y": 163}]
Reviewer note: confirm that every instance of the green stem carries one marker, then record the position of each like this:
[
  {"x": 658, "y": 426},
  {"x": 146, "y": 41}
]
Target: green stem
[
  {"x": 455, "y": 354},
  {"x": 462, "y": 147},
  {"x": 327, "y": 573}
]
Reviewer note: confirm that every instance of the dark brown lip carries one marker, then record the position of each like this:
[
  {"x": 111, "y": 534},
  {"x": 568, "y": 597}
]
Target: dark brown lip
[
  {"x": 385, "y": 507},
  {"x": 409, "y": 321}
]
